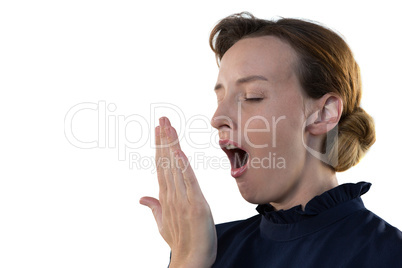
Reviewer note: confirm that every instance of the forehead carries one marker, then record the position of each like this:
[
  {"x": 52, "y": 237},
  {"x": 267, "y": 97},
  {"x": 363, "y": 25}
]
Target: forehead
[{"x": 267, "y": 55}]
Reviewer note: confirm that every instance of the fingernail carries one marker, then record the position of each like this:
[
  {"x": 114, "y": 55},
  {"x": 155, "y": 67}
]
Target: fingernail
[
  {"x": 167, "y": 122},
  {"x": 162, "y": 121}
]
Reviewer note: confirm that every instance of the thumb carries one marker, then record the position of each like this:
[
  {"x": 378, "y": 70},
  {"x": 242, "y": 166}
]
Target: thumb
[{"x": 155, "y": 206}]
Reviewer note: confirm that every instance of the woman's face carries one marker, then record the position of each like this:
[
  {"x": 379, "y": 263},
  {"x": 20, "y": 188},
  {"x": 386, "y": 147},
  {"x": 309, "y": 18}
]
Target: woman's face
[{"x": 261, "y": 109}]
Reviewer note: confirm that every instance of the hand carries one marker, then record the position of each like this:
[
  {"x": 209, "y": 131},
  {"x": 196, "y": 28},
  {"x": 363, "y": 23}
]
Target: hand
[{"x": 182, "y": 214}]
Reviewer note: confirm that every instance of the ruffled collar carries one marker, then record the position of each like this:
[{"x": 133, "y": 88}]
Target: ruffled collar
[{"x": 315, "y": 206}]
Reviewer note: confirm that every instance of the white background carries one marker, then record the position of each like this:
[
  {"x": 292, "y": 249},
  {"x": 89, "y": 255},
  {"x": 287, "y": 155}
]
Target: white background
[{"x": 62, "y": 206}]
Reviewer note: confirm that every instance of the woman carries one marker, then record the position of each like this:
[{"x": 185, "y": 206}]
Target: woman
[{"x": 289, "y": 89}]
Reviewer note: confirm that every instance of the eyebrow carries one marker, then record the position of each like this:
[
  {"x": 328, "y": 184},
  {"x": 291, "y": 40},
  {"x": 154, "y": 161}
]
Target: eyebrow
[{"x": 243, "y": 80}]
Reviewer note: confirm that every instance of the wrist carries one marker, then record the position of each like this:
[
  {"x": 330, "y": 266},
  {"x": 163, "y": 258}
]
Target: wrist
[{"x": 190, "y": 262}]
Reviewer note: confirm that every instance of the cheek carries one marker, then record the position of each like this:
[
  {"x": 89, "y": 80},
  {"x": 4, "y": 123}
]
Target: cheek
[
  {"x": 287, "y": 124},
  {"x": 278, "y": 139},
  {"x": 270, "y": 131},
  {"x": 257, "y": 129},
  {"x": 258, "y": 136}
]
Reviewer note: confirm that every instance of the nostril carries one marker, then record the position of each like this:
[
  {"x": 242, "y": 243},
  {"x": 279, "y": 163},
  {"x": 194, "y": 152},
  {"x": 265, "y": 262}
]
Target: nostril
[
  {"x": 217, "y": 122},
  {"x": 222, "y": 121},
  {"x": 225, "y": 126}
]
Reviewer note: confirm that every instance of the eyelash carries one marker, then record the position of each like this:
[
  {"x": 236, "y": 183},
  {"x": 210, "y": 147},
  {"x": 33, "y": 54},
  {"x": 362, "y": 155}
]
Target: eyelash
[{"x": 253, "y": 99}]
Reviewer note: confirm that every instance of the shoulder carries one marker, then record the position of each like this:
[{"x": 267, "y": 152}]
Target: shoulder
[
  {"x": 235, "y": 240},
  {"x": 380, "y": 243},
  {"x": 241, "y": 226},
  {"x": 378, "y": 228}
]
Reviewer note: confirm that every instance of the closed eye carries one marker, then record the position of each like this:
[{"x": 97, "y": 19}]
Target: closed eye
[{"x": 253, "y": 99}]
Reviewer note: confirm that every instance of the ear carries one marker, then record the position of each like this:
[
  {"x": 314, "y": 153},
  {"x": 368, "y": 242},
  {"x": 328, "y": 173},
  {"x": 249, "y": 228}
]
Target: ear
[{"x": 328, "y": 113}]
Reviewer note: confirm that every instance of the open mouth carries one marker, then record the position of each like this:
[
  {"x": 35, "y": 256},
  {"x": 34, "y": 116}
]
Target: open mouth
[{"x": 238, "y": 157}]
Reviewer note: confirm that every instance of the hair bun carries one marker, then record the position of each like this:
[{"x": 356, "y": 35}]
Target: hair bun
[{"x": 356, "y": 134}]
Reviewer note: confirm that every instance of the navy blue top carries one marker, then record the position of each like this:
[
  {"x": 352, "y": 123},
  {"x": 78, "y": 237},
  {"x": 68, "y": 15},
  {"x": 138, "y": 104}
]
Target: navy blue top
[{"x": 334, "y": 230}]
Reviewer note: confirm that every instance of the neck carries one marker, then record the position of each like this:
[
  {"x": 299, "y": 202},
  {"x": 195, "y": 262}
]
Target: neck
[{"x": 313, "y": 181}]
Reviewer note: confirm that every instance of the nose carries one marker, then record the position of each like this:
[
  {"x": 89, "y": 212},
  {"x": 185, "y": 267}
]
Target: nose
[{"x": 223, "y": 117}]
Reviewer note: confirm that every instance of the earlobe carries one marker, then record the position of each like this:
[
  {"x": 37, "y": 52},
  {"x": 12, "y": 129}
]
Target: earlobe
[{"x": 327, "y": 116}]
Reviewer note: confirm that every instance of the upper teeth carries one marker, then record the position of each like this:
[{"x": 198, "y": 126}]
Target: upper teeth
[{"x": 230, "y": 146}]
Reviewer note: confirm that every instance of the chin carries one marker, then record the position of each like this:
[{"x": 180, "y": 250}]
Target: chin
[
  {"x": 251, "y": 196},
  {"x": 254, "y": 189},
  {"x": 254, "y": 200},
  {"x": 250, "y": 189},
  {"x": 257, "y": 194}
]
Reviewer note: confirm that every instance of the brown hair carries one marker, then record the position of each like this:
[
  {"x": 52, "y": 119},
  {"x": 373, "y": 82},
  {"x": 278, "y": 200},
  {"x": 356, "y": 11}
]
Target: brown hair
[{"x": 325, "y": 64}]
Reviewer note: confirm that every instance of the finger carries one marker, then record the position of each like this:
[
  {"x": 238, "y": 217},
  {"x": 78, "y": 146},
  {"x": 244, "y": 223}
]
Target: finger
[
  {"x": 156, "y": 208},
  {"x": 172, "y": 135},
  {"x": 166, "y": 121},
  {"x": 165, "y": 158},
  {"x": 172, "y": 138},
  {"x": 181, "y": 192},
  {"x": 174, "y": 146},
  {"x": 190, "y": 181},
  {"x": 158, "y": 160}
]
